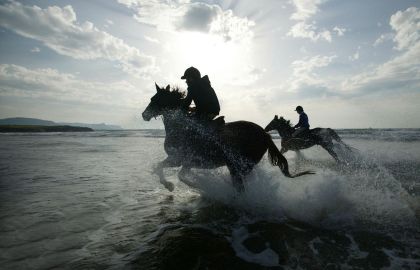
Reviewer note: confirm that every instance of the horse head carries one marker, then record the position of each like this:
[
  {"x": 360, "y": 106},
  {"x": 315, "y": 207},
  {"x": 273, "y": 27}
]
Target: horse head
[
  {"x": 164, "y": 100},
  {"x": 278, "y": 124}
]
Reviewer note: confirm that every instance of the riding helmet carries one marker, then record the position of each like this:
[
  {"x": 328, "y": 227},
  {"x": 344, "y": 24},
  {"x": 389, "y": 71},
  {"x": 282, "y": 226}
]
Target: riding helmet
[
  {"x": 191, "y": 72},
  {"x": 299, "y": 109}
]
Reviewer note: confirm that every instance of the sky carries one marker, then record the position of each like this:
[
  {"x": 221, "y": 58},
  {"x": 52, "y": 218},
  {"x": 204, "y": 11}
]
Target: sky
[{"x": 350, "y": 64}]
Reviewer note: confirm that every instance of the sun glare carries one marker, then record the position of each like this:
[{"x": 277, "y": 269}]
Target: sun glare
[{"x": 211, "y": 54}]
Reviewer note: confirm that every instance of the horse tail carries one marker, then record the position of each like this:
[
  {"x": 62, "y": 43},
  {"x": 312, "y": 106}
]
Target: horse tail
[
  {"x": 277, "y": 159},
  {"x": 338, "y": 139},
  {"x": 334, "y": 135}
]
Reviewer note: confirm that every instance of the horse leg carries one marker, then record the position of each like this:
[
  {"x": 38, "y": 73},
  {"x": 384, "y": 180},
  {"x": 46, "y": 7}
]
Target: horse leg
[
  {"x": 237, "y": 181},
  {"x": 159, "y": 171},
  {"x": 329, "y": 148},
  {"x": 182, "y": 175},
  {"x": 300, "y": 158},
  {"x": 238, "y": 171},
  {"x": 334, "y": 135},
  {"x": 237, "y": 176},
  {"x": 299, "y": 155}
]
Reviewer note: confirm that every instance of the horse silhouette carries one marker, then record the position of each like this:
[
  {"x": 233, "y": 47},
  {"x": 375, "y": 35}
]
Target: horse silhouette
[
  {"x": 324, "y": 137},
  {"x": 189, "y": 143}
]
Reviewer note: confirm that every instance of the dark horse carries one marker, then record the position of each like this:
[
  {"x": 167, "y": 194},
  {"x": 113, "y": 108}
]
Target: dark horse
[
  {"x": 239, "y": 145},
  {"x": 317, "y": 136}
]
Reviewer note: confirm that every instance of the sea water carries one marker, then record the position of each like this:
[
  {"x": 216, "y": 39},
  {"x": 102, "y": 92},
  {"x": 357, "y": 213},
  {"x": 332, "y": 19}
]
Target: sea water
[{"x": 92, "y": 201}]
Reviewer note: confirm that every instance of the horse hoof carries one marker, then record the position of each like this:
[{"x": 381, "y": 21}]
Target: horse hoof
[{"x": 169, "y": 186}]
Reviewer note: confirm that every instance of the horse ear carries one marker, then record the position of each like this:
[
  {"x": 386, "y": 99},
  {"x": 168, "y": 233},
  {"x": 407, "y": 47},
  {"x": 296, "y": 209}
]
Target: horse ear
[
  {"x": 276, "y": 117},
  {"x": 157, "y": 87},
  {"x": 168, "y": 87}
]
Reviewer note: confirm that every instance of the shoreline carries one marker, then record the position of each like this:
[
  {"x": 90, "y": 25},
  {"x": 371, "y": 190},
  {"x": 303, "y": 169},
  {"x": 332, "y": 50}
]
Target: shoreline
[{"x": 38, "y": 128}]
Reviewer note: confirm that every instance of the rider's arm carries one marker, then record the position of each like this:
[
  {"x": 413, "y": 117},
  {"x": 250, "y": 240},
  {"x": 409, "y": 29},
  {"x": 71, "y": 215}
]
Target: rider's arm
[
  {"x": 187, "y": 100},
  {"x": 300, "y": 121}
]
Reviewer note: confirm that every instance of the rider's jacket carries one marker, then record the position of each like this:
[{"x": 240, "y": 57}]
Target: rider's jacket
[
  {"x": 303, "y": 121},
  {"x": 204, "y": 97}
]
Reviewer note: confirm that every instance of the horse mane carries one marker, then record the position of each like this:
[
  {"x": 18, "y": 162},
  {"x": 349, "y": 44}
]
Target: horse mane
[
  {"x": 177, "y": 92},
  {"x": 286, "y": 122}
]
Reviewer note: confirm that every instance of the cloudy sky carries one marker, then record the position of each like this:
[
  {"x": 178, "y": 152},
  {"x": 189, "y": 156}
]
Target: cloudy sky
[{"x": 350, "y": 64}]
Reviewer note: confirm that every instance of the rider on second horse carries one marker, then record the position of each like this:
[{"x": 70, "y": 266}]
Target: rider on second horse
[
  {"x": 303, "y": 124},
  {"x": 200, "y": 91}
]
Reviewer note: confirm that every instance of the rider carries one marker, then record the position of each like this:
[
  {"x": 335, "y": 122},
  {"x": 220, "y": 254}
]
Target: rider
[
  {"x": 303, "y": 124},
  {"x": 200, "y": 91}
]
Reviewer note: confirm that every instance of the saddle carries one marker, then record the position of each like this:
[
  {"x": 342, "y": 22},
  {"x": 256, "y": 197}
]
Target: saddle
[
  {"x": 305, "y": 135},
  {"x": 217, "y": 123}
]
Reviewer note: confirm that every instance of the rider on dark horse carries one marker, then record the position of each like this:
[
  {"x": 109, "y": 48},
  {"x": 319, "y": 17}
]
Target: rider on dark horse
[
  {"x": 303, "y": 124},
  {"x": 200, "y": 91}
]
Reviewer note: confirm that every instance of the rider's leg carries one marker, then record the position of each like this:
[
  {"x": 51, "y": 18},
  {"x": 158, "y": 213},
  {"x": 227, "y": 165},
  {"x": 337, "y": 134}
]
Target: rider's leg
[{"x": 298, "y": 131}]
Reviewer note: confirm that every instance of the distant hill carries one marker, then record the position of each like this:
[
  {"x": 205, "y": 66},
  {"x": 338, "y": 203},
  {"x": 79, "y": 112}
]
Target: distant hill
[
  {"x": 23, "y": 121},
  {"x": 32, "y": 128}
]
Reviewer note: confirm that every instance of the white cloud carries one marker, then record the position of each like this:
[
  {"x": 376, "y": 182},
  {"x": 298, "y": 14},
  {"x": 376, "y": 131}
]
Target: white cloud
[
  {"x": 184, "y": 15},
  {"x": 304, "y": 74},
  {"x": 340, "y": 31},
  {"x": 383, "y": 38},
  {"x": 19, "y": 81},
  {"x": 310, "y": 31},
  {"x": 406, "y": 24},
  {"x": 59, "y": 30},
  {"x": 356, "y": 55},
  {"x": 403, "y": 71},
  {"x": 35, "y": 50},
  {"x": 400, "y": 73},
  {"x": 251, "y": 75},
  {"x": 307, "y": 65},
  {"x": 150, "y": 39},
  {"x": 232, "y": 27},
  {"x": 108, "y": 23},
  {"x": 305, "y": 10}
]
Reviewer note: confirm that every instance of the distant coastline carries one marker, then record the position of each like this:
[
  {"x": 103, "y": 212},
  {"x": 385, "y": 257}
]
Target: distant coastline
[
  {"x": 24, "y": 121},
  {"x": 38, "y": 128}
]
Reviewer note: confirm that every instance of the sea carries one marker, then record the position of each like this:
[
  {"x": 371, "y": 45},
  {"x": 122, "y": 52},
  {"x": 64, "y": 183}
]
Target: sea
[{"x": 91, "y": 200}]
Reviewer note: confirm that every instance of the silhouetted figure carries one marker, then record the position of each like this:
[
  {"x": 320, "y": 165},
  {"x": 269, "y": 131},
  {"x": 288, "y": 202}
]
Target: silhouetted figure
[
  {"x": 324, "y": 137},
  {"x": 200, "y": 91},
  {"x": 239, "y": 145},
  {"x": 303, "y": 124}
]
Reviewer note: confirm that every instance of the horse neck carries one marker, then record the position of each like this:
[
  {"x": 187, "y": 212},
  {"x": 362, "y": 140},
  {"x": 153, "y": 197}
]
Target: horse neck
[
  {"x": 285, "y": 132},
  {"x": 173, "y": 120}
]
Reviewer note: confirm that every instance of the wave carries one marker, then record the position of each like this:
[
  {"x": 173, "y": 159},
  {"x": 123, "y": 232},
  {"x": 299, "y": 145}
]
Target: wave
[
  {"x": 381, "y": 134},
  {"x": 403, "y": 135},
  {"x": 360, "y": 194},
  {"x": 356, "y": 210}
]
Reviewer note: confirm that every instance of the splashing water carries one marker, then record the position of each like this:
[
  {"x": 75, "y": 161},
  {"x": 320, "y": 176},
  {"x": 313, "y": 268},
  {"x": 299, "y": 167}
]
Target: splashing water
[{"x": 92, "y": 201}]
